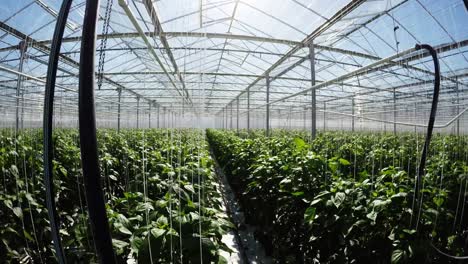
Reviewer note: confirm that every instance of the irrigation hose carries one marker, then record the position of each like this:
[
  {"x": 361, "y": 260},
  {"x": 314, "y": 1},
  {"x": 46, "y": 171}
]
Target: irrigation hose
[
  {"x": 88, "y": 140},
  {"x": 48, "y": 127},
  {"x": 430, "y": 127},
  {"x": 435, "y": 101}
]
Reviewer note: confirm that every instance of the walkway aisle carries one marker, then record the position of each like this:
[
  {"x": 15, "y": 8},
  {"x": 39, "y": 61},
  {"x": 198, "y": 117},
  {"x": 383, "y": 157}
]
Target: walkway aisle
[{"x": 248, "y": 249}]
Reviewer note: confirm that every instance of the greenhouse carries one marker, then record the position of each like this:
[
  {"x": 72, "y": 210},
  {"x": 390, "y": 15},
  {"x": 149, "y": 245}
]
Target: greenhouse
[{"x": 234, "y": 131}]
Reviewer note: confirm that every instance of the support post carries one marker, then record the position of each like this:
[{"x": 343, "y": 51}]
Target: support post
[
  {"x": 237, "y": 119},
  {"x": 324, "y": 116},
  {"x": 138, "y": 113},
  {"x": 230, "y": 125},
  {"x": 267, "y": 105},
  {"x": 119, "y": 90},
  {"x": 157, "y": 120},
  {"x": 248, "y": 109},
  {"x": 394, "y": 111},
  {"x": 304, "y": 117},
  {"x": 223, "y": 119},
  {"x": 352, "y": 113},
  {"x": 171, "y": 117},
  {"x": 312, "y": 80},
  {"x": 22, "y": 48},
  {"x": 165, "y": 118},
  {"x": 415, "y": 116},
  {"x": 458, "y": 106},
  {"x": 149, "y": 116}
]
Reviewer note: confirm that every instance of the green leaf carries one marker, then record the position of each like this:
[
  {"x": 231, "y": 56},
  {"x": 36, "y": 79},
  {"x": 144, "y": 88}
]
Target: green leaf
[
  {"x": 119, "y": 243},
  {"x": 309, "y": 215},
  {"x": 344, "y": 162},
  {"x": 157, "y": 232},
  {"x": 222, "y": 260},
  {"x": 14, "y": 171},
  {"x": 63, "y": 171},
  {"x": 162, "y": 220},
  {"x": 112, "y": 177},
  {"x": 409, "y": 231},
  {"x": 9, "y": 229},
  {"x": 372, "y": 215},
  {"x": 18, "y": 212},
  {"x": 398, "y": 195},
  {"x": 380, "y": 204},
  {"x": 297, "y": 194},
  {"x": 438, "y": 201},
  {"x": 8, "y": 203},
  {"x": 27, "y": 235},
  {"x": 316, "y": 201},
  {"x": 135, "y": 243},
  {"x": 398, "y": 256},
  {"x": 194, "y": 216},
  {"x": 125, "y": 230},
  {"x": 189, "y": 188},
  {"x": 300, "y": 144},
  {"x": 339, "y": 199}
]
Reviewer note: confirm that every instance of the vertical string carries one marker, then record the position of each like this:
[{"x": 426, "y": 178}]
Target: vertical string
[{"x": 145, "y": 194}]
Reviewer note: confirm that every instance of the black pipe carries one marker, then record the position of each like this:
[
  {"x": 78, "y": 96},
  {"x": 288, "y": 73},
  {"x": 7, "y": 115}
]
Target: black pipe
[
  {"x": 435, "y": 101},
  {"x": 47, "y": 127},
  {"x": 88, "y": 141},
  {"x": 430, "y": 127}
]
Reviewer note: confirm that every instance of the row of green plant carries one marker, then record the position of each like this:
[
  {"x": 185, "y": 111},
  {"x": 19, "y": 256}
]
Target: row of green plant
[
  {"x": 349, "y": 197},
  {"x": 161, "y": 193}
]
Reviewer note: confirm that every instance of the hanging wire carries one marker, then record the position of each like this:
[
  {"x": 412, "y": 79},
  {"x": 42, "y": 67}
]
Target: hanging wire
[
  {"x": 171, "y": 140},
  {"x": 25, "y": 166},
  {"x": 145, "y": 194},
  {"x": 179, "y": 208}
]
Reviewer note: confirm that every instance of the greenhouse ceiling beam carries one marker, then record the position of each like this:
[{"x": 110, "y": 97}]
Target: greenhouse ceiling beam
[
  {"x": 402, "y": 63},
  {"x": 229, "y": 36},
  {"x": 183, "y": 93},
  {"x": 205, "y": 35},
  {"x": 389, "y": 101},
  {"x": 231, "y": 21},
  {"x": 41, "y": 61},
  {"x": 70, "y": 24},
  {"x": 46, "y": 49},
  {"x": 193, "y": 73},
  {"x": 160, "y": 32},
  {"x": 348, "y": 75},
  {"x": 307, "y": 41},
  {"x": 213, "y": 35},
  {"x": 260, "y": 98},
  {"x": 374, "y": 18},
  {"x": 34, "y": 43},
  {"x": 193, "y": 89},
  {"x": 412, "y": 95},
  {"x": 440, "y": 49},
  {"x": 30, "y": 77},
  {"x": 231, "y": 75},
  {"x": 174, "y": 35}
]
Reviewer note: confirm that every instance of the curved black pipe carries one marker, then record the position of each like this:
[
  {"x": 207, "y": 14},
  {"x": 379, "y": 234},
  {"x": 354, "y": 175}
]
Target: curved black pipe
[
  {"x": 430, "y": 127},
  {"x": 47, "y": 127},
  {"x": 88, "y": 141},
  {"x": 435, "y": 101}
]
